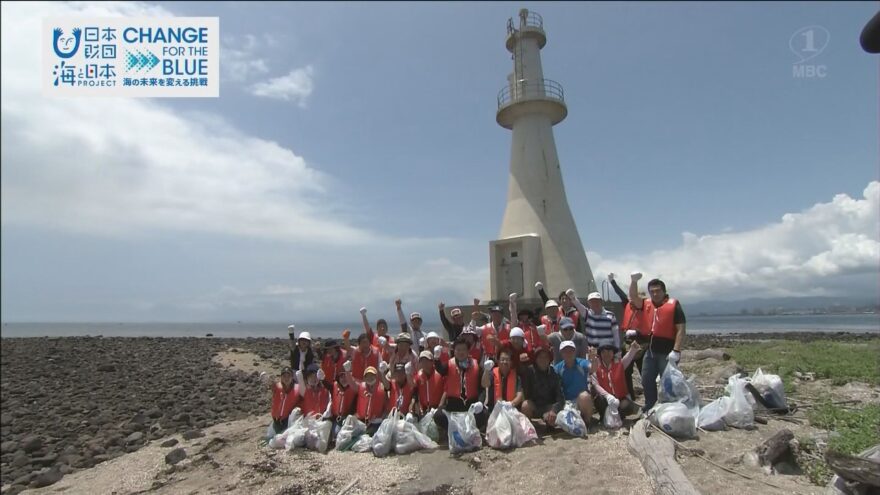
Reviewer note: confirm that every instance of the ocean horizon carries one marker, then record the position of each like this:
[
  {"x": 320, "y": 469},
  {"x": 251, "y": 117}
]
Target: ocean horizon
[{"x": 851, "y": 323}]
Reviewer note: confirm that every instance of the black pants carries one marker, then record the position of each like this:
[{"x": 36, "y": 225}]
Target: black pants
[
  {"x": 629, "y": 370},
  {"x": 279, "y": 425},
  {"x": 626, "y": 408},
  {"x": 458, "y": 406}
]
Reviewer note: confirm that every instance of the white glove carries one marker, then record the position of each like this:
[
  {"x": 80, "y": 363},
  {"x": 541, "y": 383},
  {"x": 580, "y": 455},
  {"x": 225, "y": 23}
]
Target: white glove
[
  {"x": 613, "y": 402},
  {"x": 478, "y": 407},
  {"x": 422, "y": 342},
  {"x": 570, "y": 293},
  {"x": 437, "y": 350},
  {"x": 512, "y": 296},
  {"x": 539, "y": 285},
  {"x": 363, "y": 311},
  {"x": 347, "y": 366},
  {"x": 299, "y": 376},
  {"x": 674, "y": 356},
  {"x": 291, "y": 329},
  {"x": 383, "y": 367},
  {"x": 631, "y": 334},
  {"x": 488, "y": 365},
  {"x": 611, "y": 277},
  {"x": 383, "y": 341},
  {"x": 408, "y": 368},
  {"x": 635, "y": 276},
  {"x": 321, "y": 375}
]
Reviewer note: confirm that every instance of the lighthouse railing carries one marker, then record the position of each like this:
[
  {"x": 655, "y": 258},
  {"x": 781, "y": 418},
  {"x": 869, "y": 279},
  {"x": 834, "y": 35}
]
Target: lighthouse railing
[{"x": 525, "y": 89}]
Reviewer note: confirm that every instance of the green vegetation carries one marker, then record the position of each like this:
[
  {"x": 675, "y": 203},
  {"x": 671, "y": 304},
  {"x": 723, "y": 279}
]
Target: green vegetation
[
  {"x": 842, "y": 362},
  {"x": 851, "y": 431}
]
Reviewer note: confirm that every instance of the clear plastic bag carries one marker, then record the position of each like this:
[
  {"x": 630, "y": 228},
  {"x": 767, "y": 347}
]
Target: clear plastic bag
[
  {"x": 499, "y": 431},
  {"x": 523, "y": 429},
  {"x": 428, "y": 426},
  {"x": 410, "y": 439},
  {"x": 570, "y": 421},
  {"x": 351, "y": 429},
  {"x": 771, "y": 388},
  {"x": 739, "y": 412},
  {"x": 296, "y": 434},
  {"x": 612, "y": 419},
  {"x": 673, "y": 386},
  {"x": 463, "y": 433},
  {"x": 711, "y": 417},
  {"x": 364, "y": 443},
  {"x": 675, "y": 419},
  {"x": 383, "y": 440},
  {"x": 318, "y": 435}
]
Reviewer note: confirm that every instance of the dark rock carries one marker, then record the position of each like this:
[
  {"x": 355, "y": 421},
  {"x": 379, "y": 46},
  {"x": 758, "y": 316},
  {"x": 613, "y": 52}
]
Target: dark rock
[
  {"x": 139, "y": 418},
  {"x": 175, "y": 456},
  {"x": 45, "y": 461},
  {"x": 9, "y": 446},
  {"x": 154, "y": 413},
  {"x": 20, "y": 459},
  {"x": 24, "y": 479},
  {"x": 181, "y": 418},
  {"x": 31, "y": 443},
  {"x": 192, "y": 434},
  {"x": 171, "y": 442},
  {"x": 107, "y": 367},
  {"x": 50, "y": 477},
  {"x": 134, "y": 437}
]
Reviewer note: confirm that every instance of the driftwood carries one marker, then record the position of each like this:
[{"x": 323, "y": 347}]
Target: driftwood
[
  {"x": 706, "y": 354},
  {"x": 852, "y": 468},
  {"x": 775, "y": 447},
  {"x": 657, "y": 455}
]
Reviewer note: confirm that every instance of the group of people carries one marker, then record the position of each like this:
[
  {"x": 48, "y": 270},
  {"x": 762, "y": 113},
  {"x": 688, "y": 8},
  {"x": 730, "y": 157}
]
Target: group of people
[{"x": 571, "y": 352}]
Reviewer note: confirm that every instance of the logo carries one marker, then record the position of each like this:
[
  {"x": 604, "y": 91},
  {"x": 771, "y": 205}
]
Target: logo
[
  {"x": 140, "y": 57},
  {"x": 807, "y": 43}
]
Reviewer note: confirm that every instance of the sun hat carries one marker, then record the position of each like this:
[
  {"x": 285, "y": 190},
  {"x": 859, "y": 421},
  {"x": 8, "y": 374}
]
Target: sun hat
[
  {"x": 594, "y": 295},
  {"x": 305, "y": 335},
  {"x": 565, "y": 344},
  {"x": 551, "y": 303},
  {"x": 517, "y": 332},
  {"x": 426, "y": 355}
]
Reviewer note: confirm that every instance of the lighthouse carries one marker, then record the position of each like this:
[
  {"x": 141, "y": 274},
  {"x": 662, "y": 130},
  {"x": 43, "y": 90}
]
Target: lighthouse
[{"x": 539, "y": 240}]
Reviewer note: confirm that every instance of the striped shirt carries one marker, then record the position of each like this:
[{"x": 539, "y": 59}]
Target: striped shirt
[{"x": 601, "y": 328}]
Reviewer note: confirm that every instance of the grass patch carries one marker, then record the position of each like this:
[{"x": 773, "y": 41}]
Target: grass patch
[
  {"x": 852, "y": 431},
  {"x": 842, "y": 362}
]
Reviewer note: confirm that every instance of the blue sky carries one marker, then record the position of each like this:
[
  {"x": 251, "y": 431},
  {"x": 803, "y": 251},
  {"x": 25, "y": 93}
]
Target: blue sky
[{"x": 683, "y": 118}]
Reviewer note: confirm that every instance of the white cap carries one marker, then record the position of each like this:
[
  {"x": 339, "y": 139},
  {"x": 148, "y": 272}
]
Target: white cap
[
  {"x": 432, "y": 335},
  {"x": 517, "y": 332},
  {"x": 305, "y": 335},
  {"x": 567, "y": 343},
  {"x": 455, "y": 312},
  {"x": 594, "y": 295},
  {"x": 551, "y": 302},
  {"x": 290, "y": 328},
  {"x": 415, "y": 315}
]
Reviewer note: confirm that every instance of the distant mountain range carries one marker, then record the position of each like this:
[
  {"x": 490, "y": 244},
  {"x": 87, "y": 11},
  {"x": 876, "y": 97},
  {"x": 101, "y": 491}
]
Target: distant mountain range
[{"x": 784, "y": 305}]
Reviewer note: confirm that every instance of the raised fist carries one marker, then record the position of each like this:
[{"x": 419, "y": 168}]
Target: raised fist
[
  {"x": 437, "y": 351},
  {"x": 512, "y": 296},
  {"x": 363, "y": 311},
  {"x": 398, "y": 302},
  {"x": 570, "y": 293},
  {"x": 383, "y": 367},
  {"x": 321, "y": 375},
  {"x": 441, "y": 306},
  {"x": 346, "y": 333},
  {"x": 347, "y": 366},
  {"x": 382, "y": 341},
  {"x": 631, "y": 334},
  {"x": 476, "y": 302},
  {"x": 488, "y": 365},
  {"x": 611, "y": 277},
  {"x": 635, "y": 276},
  {"x": 408, "y": 368},
  {"x": 539, "y": 286}
]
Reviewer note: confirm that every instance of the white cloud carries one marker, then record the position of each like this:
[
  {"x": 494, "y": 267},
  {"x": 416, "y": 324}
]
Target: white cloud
[
  {"x": 296, "y": 86},
  {"x": 239, "y": 59},
  {"x": 124, "y": 167},
  {"x": 804, "y": 253}
]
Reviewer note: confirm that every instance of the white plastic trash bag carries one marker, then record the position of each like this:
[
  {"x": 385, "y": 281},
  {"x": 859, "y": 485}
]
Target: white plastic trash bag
[
  {"x": 612, "y": 419},
  {"x": 570, "y": 421},
  {"x": 383, "y": 440},
  {"x": 673, "y": 386},
  {"x": 428, "y": 426},
  {"x": 523, "y": 429},
  {"x": 318, "y": 435},
  {"x": 711, "y": 417},
  {"x": 675, "y": 419},
  {"x": 410, "y": 439},
  {"x": 351, "y": 429},
  {"x": 364, "y": 443},
  {"x": 739, "y": 412},
  {"x": 771, "y": 389},
  {"x": 296, "y": 434},
  {"x": 499, "y": 431},
  {"x": 463, "y": 433}
]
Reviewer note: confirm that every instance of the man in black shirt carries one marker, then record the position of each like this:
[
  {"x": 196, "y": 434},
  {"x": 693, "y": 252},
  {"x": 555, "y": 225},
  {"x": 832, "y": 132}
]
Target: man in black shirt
[{"x": 542, "y": 390}]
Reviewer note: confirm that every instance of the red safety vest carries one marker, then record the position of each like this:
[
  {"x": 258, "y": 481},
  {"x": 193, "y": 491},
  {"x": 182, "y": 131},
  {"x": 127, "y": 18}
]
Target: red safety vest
[
  {"x": 550, "y": 326},
  {"x": 488, "y": 330},
  {"x": 453, "y": 381},
  {"x": 430, "y": 389},
  {"x": 315, "y": 400},
  {"x": 533, "y": 337},
  {"x": 633, "y": 319},
  {"x": 332, "y": 368},
  {"x": 504, "y": 393},
  {"x": 476, "y": 351},
  {"x": 396, "y": 390},
  {"x": 283, "y": 402},
  {"x": 343, "y": 399},
  {"x": 612, "y": 379},
  {"x": 661, "y": 319},
  {"x": 371, "y": 403},
  {"x": 359, "y": 363}
]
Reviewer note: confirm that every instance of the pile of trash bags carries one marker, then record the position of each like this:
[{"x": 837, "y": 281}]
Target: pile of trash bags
[
  {"x": 508, "y": 428},
  {"x": 401, "y": 434},
  {"x": 303, "y": 431},
  {"x": 680, "y": 412}
]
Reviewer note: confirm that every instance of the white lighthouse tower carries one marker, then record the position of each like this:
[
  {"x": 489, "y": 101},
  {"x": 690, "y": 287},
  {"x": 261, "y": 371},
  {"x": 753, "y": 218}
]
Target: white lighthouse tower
[{"x": 539, "y": 239}]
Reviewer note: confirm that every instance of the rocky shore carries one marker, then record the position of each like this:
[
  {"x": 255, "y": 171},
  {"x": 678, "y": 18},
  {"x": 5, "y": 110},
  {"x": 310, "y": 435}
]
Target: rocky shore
[{"x": 71, "y": 403}]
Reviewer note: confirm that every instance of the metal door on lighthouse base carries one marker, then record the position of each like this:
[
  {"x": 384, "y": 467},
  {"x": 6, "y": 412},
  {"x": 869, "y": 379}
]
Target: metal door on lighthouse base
[{"x": 512, "y": 274}]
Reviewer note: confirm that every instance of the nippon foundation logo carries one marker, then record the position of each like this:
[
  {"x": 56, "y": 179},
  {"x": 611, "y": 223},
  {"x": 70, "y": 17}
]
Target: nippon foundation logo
[
  {"x": 808, "y": 43},
  {"x": 125, "y": 56}
]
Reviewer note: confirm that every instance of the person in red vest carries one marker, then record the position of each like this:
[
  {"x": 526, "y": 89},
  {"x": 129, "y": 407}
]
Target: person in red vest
[
  {"x": 402, "y": 352},
  {"x": 380, "y": 338},
  {"x": 285, "y": 397},
  {"x": 462, "y": 385},
  {"x": 371, "y": 400},
  {"x": 663, "y": 322},
  {"x": 401, "y": 388},
  {"x": 435, "y": 344},
  {"x": 566, "y": 308},
  {"x": 524, "y": 322},
  {"x": 475, "y": 350},
  {"x": 630, "y": 325},
  {"x": 521, "y": 353},
  {"x": 315, "y": 398},
  {"x": 332, "y": 361},
  {"x": 430, "y": 385},
  {"x": 492, "y": 333},
  {"x": 609, "y": 380},
  {"x": 550, "y": 318},
  {"x": 362, "y": 356},
  {"x": 502, "y": 383},
  {"x": 343, "y": 399}
]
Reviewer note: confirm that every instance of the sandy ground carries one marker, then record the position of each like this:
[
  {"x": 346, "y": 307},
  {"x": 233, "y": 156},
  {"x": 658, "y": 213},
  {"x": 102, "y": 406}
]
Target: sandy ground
[{"x": 229, "y": 460}]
